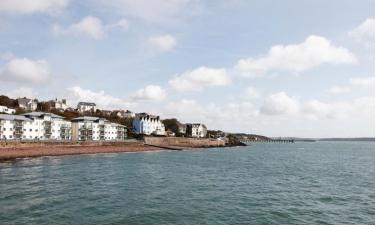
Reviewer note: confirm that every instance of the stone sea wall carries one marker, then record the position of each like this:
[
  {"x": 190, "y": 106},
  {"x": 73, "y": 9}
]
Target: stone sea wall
[{"x": 184, "y": 142}]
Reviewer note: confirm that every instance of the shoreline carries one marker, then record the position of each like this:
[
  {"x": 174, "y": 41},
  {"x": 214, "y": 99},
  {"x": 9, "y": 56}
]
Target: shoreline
[{"x": 9, "y": 154}]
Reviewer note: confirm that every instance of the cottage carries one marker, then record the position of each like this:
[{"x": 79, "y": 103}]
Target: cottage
[
  {"x": 147, "y": 124},
  {"x": 196, "y": 130},
  {"x": 86, "y": 107},
  {"x": 58, "y": 104}
]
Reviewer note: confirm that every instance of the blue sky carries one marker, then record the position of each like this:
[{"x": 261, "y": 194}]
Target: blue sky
[{"x": 278, "y": 68}]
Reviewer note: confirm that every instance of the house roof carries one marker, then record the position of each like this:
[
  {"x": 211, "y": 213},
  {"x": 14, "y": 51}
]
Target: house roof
[
  {"x": 86, "y": 103},
  {"x": 13, "y": 117},
  {"x": 39, "y": 114},
  {"x": 88, "y": 118}
]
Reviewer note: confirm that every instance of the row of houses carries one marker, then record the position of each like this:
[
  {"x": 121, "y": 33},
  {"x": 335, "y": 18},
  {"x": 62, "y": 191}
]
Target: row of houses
[
  {"x": 147, "y": 124},
  {"x": 48, "y": 126}
]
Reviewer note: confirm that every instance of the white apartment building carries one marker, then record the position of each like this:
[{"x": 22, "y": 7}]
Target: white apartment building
[
  {"x": 27, "y": 104},
  {"x": 11, "y": 126},
  {"x": 144, "y": 123},
  {"x": 34, "y": 126},
  {"x": 86, "y": 107},
  {"x": 196, "y": 130},
  {"x": 46, "y": 126},
  {"x": 89, "y": 128},
  {"x": 4, "y": 109}
]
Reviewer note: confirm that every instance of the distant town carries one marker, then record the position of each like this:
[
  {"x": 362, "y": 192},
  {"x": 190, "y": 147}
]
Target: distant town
[{"x": 30, "y": 119}]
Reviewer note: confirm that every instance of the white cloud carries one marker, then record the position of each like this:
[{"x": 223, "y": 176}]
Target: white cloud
[
  {"x": 90, "y": 27},
  {"x": 279, "y": 104},
  {"x": 7, "y": 56},
  {"x": 163, "y": 43},
  {"x": 313, "y": 52},
  {"x": 354, "y": 84},
  {"x": 22, "y": 92},
  {"x": 32, "y": 6},
  {"x": 100, "y": 98},
  {"x": 23, "y": 70},
  {"x": 150, "y": 92},
  {"x": 365, "y": 31},
  {"x": 154, "y": 11},
  {"x": 339, "y": 90},
  {"x": 200, "y": 78},
  {"x": 366, "y": 82},
  {"x": 250, "y": 93}
]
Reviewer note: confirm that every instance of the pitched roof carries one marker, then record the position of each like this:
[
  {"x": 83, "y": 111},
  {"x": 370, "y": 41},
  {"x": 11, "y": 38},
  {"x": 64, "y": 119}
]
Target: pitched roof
[
  {"x": 87, "y": 118},
  {"x": 39, "y": 114},
  {"x": 86, "y": 103},
  {"x": 13, "y": 117}
]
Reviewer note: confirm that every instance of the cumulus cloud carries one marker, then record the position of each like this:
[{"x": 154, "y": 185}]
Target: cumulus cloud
[
  {"x": 279, "y": 104},
  {"x": 23, "y": 70},
  {"x": 200, "y": 78},
  {"x": 32, "y": 6},
  {"x": 150, "y": 92},
  {"x": 314, "y": 51},
  {"x": 365, "y": 31},
  {"x": 163, "y": 43},
  {"x": 90, "y": 27},
  {"x": 102, "y": 99}
]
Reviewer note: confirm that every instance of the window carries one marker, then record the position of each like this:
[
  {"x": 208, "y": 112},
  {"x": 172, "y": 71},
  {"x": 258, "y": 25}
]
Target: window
[{"x": 31, "y": 129}]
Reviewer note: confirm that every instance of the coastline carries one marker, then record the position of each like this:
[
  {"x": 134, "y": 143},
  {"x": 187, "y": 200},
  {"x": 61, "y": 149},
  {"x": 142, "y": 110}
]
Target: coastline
[{"x": 7, "y": 154}]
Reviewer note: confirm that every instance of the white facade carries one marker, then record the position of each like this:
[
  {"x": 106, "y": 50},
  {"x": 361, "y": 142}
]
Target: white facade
[
  {"x": 88, "y": 128},
  {"x": 11, "y": 126},
  {"x": 27, "y": 104},
  {"x": 86, "y": 107},
  {"x": 46, "y": 126},
  {"x": 4, "y": 109},
  {"x": 196, "y": 130},
  {"x": 59, "y": 104},
  {"x": 148, "y": 124}
]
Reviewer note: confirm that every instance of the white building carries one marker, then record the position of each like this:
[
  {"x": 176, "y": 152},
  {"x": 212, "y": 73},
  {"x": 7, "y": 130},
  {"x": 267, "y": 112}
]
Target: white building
[
  {"x": 34, "y": 126},
  {"x": 46, "y": 126},
  {"x": 11, "y": 126},
  {"x": 144, "y": 123},
  {"x": 196, "y": 130},
  {"x": 86, "y": 107},
  {"x": 123, "y": 113},
  {"x": 27, "y": 104},
  {"x": 59, "y": 104},
  {"x": 89, "y": 128},
  {"x": 6, "y": 110}
]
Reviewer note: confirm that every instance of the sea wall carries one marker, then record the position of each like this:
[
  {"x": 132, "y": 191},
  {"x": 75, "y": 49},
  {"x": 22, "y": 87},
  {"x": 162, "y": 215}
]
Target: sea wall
[{"x": 184, "y": 142}]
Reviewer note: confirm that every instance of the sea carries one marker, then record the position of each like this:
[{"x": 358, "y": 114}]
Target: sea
[{"x": 265, "y": 183}]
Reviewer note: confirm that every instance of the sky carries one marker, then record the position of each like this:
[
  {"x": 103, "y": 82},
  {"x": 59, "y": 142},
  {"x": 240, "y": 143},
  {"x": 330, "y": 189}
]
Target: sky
[{"x": 276, "y": 68}]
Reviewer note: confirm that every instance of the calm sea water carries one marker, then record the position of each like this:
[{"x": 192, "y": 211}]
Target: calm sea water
[{"x": 302, "y": 183}]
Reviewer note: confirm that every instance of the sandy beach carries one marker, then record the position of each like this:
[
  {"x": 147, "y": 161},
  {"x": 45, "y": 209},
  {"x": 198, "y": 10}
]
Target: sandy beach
[{"x": 25, "y": 152}]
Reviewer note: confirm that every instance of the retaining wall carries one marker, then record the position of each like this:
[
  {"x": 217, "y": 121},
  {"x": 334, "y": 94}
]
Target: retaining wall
[{"x": 184, "y": 142}]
